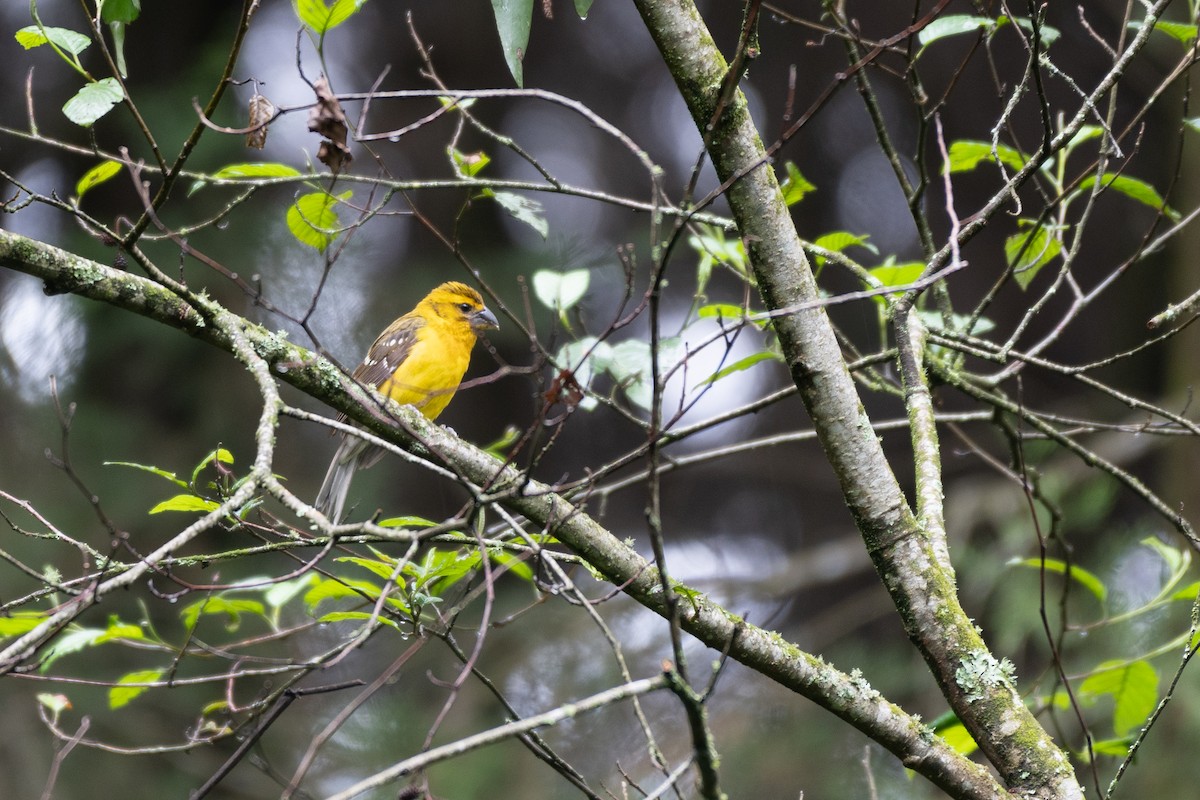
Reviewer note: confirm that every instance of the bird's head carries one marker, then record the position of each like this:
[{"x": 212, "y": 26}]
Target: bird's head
[{"x": 457, "y": 301}]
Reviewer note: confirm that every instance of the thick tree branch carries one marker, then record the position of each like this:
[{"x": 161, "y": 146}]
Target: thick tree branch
[
  {"x": 905, "y": 554},
  {"x": 847, "y": 696}
]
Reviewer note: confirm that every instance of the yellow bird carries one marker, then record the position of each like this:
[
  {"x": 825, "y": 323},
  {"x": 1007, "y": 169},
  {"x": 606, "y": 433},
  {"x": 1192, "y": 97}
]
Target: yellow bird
[{"x": 419, "y": 360}]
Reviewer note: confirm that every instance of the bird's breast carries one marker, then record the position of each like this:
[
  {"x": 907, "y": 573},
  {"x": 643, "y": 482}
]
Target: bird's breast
[{"x": 427, "y": 378}]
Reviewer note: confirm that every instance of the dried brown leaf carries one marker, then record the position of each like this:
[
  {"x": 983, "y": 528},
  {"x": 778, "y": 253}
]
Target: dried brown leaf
[
  {"x": 261, "y": 112},
  {"x": 328, "y": 120}
]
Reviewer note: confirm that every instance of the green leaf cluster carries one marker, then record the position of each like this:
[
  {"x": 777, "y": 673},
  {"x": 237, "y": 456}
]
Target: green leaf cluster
[
  {"x": 628, "y": 364},
  {"x": 957, "y": 24},
  {"x": 521, "y": 208},
  {"x": 1131, "y": 685},
  {"x": 406, "y": 587},
  {"x": 98, "y": 96},
  {"x": 201, "y": 496},
  {"x": 1038, "y": 242},
  {"x": 715, "y": 249},
  {"x": 513, "y": 21}
]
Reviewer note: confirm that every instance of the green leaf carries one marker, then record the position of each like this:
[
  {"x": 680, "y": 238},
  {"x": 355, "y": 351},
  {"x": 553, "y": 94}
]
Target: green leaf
[
  {"x": 560, "y": 291},
  {"x": 499, "y": 447},
  {"x": 220, "y": 454},
  {"x": 120, "y": 11},
  {"x": 936, "y": 321},
  {"x": 1187, "y": 593},
  {"x": 322, "y": 18},
  {"x": 162, "y": 473},
  {"x": 630, "y": 368},
  {"x": 64, "y": 39},
  {"x": 694, "y": 597},
  {"x": 1084, "y": 134},
  {"x": 118, "y": 14},
  {"x": 1134, "y": 690},
  {"x": 713, "y": 244},
  {"x": 383, "y": 568},
  {"x": 231, "y": 609},
  {"x": 214, "y": 706},
  {"x": 1029, "y": 251},
  {"x": 56, "y": 703},
  {"x": 313, "y": 218},
  {"x": 704, "y": 269},
  {"x": 122, "y": 693},
  {"x": 838, "y": 241},
  {"x": 524, "y": 209},
  {"x": 630, "y": 365},
  {"x": 117, "y": 30},
  {"x": 357, "y": 616},
  {"x": 965, "y": 155},
  {"x": 721, "y": 311},
  {"x": 896, "y": 275},
  {"x": 74, "y": 640},
  {"x": 259, "y": 169},
  {"x": 468, "y": 165},
  {"x": 729, "y": 312},
  {"x": 20, "y": 622},
  {"x": 441, "y": 569},
  {"x": 119, "y": 630},
  {"x": 186, "y": 502},
  {"x": 584, "y": 359},
  {"x": 1134, "y": 188},
  {"x": 714, "y": 249},
  {"x": 281, "y": 594},
  {"x": 1046, "y": 33},
  {"x": 456, "y": 103},
  {"x": 1061, "y": 700},
  {"x": 957, "y": 737},
  {"x": 93, "y": 101},
  {"x": 1184, "y": 34},
  {"x": 338, "y": 589},
  {"x": 739, "y": 365},
  {"x": 513, "y": 19},
  {"x": 406, "y": 522},
  {"x": 237, "y": 172},
  {"x": 1117, "y": 748},
  {"x": 1080, "y": 575},
  {"x": 514, "y": 564},
  {"x": 954, "y": 25},
  {"x": 95, "y": 176},
  {"x": 795, "y": 185}
]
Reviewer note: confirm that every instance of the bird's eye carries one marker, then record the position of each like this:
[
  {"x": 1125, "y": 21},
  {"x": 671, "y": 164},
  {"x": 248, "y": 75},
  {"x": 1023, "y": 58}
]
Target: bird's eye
[{"x": 464, "y": 307}]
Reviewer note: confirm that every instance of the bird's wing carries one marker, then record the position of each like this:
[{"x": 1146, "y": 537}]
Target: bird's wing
[{"x": 389, "y": 351}]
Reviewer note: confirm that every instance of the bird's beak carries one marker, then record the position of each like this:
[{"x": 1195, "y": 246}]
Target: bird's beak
[{"x": 483, "y": 320}]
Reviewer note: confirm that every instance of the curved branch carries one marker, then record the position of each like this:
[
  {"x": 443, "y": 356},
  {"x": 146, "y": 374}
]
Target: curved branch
[{"x": 847, "y": 696}]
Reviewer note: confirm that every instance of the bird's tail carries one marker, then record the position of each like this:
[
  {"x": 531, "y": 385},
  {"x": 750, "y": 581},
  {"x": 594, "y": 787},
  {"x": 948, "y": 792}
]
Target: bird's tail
[{"x": 348, "y": 459}]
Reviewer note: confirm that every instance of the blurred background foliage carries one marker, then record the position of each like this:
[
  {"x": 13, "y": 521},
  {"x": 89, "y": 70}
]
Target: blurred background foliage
[{"x": 765, "y": 532}]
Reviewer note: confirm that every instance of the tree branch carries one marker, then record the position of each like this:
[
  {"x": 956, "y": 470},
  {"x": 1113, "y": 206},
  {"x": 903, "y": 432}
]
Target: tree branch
[
  {"x": 847, "y": 696},
  {"x": 905, "y": 553}
]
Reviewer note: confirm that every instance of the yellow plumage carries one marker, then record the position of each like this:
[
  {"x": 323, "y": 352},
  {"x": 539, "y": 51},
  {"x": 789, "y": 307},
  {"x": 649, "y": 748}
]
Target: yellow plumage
[{"x": 418, "y": 360}]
